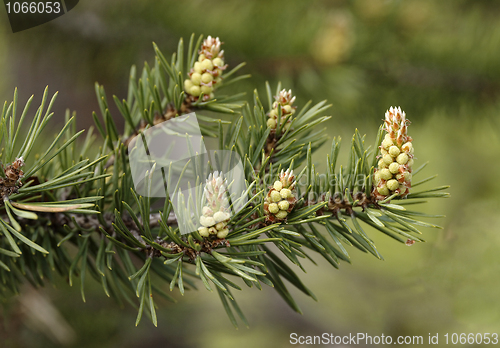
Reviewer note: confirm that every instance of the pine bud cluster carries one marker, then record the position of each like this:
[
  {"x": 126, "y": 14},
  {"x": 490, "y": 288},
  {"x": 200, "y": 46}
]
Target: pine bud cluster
[
  {"x": 284, "y": 100},
  {"x": 215, "y": 215},
  {"x": 280, "y": 199},
  {"x": 393, "y": 173},
  {"x": 207, "y": 71},
  {"x": 10, "y": 180}
]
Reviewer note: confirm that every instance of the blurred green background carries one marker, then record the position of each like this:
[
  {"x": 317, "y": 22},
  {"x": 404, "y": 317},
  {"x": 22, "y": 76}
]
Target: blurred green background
[{"x": 438, "y": 60}]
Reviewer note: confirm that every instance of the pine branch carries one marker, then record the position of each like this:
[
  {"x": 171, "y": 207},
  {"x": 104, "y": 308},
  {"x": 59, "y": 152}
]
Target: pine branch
[{"x": 132, "y": 242}]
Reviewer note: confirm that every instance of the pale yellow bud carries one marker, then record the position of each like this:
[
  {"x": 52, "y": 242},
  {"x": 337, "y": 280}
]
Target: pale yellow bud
[
  {"x": 392, "y": 184},
  {"x": 288, "y": 109},
  {"x": 383, "y": 190},
  {"x": 196, "y": 78},
  {"x": 218, "y": 62},
  {"x": 203, "y": 231},
  {"x": 220, "y": 226},
  {"x": 273, "y": 208},
  {"x": 394, "y": 151},
  {"x": 381, "y": 164},
  {"x": 206, "y": 78},
  {"x": 286, "y": 193},
  {"x": 407, "y": 147},
  {"x": 271, "y": 123},
  {"x": 188, "y": 84},
  {"x": 198, "y": 68},
  {"x": 394, "y": 167},
  {"x": 202, "y": 220},
  {"x": 282, "y": 214},
  {"x": 385, "y": 174},
  {"x": 220, "y": 216},
  {"x": 206, "y": 211},
  {"x": 202, "y": 57},
  {"x": 410, "y": 163},
  {"x": 275, "y": 196},
  {"x": 206, "y": 89},
  {"x": 195, "y": 90},
  {"x": 223, "y": 233},
  {"x": 278, "y": 185},
  {"x": 402, "y": 158},
  {"x": 387, "y": 159},
  {"x": 207, "y": 221},
  {"x": 384, "y": 152},
  {"x": 284, "y": 205},
  {"x": 387, "y": 143},
  {"x": 273, "y": 113},
  {"x": 207, "y": 64},
  {"x": 376, "y": 178}
]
